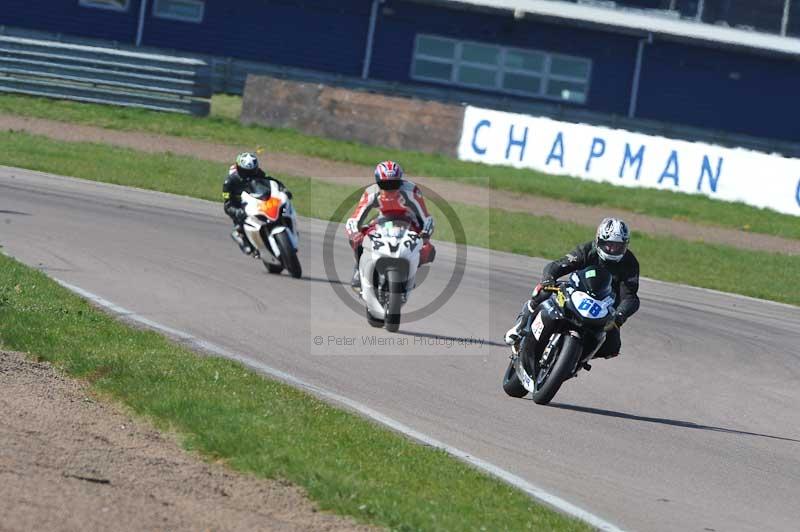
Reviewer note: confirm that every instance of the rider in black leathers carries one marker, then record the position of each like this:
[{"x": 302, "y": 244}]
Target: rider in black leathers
[
  {"x": 609, "y": 250},
  {"x": 241, "y": 177}
]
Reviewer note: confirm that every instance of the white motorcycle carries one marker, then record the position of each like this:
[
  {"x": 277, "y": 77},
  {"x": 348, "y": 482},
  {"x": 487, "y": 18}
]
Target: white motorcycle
[
  {"x": 388, "y": 268},
  {"x": 271, "y": 227}
]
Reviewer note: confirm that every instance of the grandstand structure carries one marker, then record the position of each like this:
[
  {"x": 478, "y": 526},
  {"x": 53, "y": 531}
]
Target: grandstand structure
[{"x": 729, "y": 68}]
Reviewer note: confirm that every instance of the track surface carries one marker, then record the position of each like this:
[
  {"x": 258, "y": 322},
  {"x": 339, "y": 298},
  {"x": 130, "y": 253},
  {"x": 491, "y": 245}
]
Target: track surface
[{"x": 695, "y": 427}]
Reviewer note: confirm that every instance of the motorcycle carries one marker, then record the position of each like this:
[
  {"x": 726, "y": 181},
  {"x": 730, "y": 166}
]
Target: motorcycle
[
  {"x": 271, "y": 227},
  {"x": 388, "y": 268},
  {"x": 563, "y": 335}
]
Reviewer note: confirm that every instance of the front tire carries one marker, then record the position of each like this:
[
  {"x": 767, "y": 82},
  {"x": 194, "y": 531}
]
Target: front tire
[
  {"x": 511, "y": 383},
  {"x": 288, "y": 255},
  {"x": 394, "y": 300},
  {"x": 561, "y": 370}
]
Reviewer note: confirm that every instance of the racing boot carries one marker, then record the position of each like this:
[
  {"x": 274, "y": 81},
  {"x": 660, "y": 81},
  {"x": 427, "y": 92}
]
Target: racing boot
[
  {"x": 355, "y": 282},
  {"x": 240, "y": 239},
  {"x": 514, "y": 335}
]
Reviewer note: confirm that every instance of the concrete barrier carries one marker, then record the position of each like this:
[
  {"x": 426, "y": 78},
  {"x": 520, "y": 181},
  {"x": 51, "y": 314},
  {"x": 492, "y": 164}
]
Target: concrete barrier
[{"x": 345, "y": 114}]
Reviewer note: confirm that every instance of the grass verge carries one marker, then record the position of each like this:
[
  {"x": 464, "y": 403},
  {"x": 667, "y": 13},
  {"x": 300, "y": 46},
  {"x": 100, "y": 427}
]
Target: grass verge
[
  {"x": 710, "y": 266},
  {"x": 221, "y": 409},
  {"x": 222, "y": 126}
]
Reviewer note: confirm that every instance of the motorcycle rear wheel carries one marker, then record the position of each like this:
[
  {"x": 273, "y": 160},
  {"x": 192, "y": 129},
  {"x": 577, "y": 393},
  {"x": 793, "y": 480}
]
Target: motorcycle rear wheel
[
  {"x": 272, "y": 268},
  {"x": 375, "y": 322},
  {"x": 511, "y": 383}
]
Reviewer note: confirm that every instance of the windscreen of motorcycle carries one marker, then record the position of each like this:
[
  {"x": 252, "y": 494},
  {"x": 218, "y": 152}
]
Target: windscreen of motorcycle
[{"x": 260, "y": 190}]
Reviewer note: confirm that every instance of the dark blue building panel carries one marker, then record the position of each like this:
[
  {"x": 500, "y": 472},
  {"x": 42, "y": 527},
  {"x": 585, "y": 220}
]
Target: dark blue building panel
[
  {"x": 613, "y": 56},
  {"x": 681, "y": 83},
  {"x": 71, "y": 18},
  {"x": 714, "y": 89},
  {"x": 319, "y": 35}
]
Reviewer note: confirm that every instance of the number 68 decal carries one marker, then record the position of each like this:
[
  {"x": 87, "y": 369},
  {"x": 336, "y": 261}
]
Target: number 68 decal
[{"x": 590, "y": 305}]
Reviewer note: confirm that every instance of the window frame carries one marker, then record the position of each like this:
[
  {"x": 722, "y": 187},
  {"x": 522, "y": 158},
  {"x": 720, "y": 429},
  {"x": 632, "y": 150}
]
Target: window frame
[
  {"x": 500, "y": 69},
  {"x": 98, "y": 4},
  {"x": 167, "y": 16}
]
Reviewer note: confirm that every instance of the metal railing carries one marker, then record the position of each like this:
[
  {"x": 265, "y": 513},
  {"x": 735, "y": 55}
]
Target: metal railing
[{"x": 104, "y": 75}]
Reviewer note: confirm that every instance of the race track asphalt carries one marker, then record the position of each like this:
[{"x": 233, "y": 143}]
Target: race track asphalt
[{"x": 695, "y": 427}]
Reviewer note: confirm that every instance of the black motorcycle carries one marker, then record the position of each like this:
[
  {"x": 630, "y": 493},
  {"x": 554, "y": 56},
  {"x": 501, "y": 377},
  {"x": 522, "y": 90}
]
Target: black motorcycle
[{"x": 562, "y": 335}]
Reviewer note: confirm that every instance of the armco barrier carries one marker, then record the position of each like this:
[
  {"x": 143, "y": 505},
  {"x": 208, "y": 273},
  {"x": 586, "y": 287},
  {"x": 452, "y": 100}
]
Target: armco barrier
[
  {"x": 629, "y": 159},
  {"x": 104, "y": 75}
]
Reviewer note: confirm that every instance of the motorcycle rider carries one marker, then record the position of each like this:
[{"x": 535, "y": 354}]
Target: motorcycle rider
[
  {"x": 242, "y": 176},
  {"x": 394, "y": 197},
  {"x": 609, "y": 250}
]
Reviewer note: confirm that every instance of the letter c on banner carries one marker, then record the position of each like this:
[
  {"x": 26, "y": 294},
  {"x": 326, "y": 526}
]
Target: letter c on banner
[
  {"x": 797, "y": 193},
  {"x": 477, "y": 149}
]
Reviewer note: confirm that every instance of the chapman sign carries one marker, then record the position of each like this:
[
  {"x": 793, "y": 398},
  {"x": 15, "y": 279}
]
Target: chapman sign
[{"x": 631, "y": 159}]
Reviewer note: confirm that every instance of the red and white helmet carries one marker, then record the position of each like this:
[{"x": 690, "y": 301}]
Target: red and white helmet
[{"x": 389, "y": 175}]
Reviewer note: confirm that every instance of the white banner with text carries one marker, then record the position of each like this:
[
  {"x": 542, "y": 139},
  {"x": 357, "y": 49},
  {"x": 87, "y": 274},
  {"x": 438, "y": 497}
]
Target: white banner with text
[{"x": 631, "y": 159}]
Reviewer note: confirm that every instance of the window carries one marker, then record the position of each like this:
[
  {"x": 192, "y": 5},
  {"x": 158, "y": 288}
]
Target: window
[
  {"x": 116, "y": 5},
  {"x": 183, "y": 10},
  {"x": 501, "y": 68}
]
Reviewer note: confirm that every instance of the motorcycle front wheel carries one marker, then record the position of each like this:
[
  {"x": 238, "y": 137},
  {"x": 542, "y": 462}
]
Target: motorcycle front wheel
[
  {"x": 288, "y": 255},
  {"x": 394, "y": 300},
  {"x": 550, "y": 378}
]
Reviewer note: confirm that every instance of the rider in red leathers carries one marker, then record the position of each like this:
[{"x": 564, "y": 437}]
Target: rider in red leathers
[{"x": 394, "y": 197}]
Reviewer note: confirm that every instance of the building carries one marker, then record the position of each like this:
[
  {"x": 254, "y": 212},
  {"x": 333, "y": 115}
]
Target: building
[{"x": 656, "y": 61}]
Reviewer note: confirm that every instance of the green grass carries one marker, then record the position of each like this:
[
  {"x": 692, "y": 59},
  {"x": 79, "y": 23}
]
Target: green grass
[
  {"x": 226, "y": 106},
  {"x": 222, "y": 126},
  {"x": 258, "y": 426},
  {"x": 670, "y": 259}
]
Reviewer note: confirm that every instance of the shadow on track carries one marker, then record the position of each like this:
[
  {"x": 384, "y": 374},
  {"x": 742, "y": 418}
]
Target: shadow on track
[
  {"x": 449, "y": 338},
  {"x": 324, "y": 280},
  {"x": 664, "y": 421},
  {"x": 18, "y": 213}
]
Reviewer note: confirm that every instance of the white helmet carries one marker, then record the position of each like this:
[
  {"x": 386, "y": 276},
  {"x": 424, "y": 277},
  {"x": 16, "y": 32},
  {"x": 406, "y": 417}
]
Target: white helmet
[
  {"x": 612, "y": 239},
  {"x": 247, "y": 164}
]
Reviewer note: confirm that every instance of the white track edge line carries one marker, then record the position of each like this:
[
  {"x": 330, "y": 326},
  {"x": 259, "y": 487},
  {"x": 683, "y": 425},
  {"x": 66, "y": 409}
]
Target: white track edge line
[{"x": 496, "y": 471}]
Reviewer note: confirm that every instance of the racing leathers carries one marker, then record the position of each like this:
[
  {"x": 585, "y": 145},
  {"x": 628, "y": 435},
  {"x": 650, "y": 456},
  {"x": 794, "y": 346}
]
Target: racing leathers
[
  {"x": 232, "y": 190},
  {"x": 625, "y": 283},
  {"x": 406, "y": 202}
]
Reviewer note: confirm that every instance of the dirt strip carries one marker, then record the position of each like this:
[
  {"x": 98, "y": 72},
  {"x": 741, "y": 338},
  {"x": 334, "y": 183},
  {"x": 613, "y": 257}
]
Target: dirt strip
[
  {"x": 313, "y": 167},
  {"x": 69, "y": 462}
]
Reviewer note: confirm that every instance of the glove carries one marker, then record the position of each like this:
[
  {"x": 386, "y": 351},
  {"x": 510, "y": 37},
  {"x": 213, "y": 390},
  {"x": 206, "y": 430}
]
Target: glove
[
  {"x": 351, "y": 226},
  {"x": 544, "y": 283},
  {"x": 615, "y": 323},
  {"x": 427, "y": 228}
]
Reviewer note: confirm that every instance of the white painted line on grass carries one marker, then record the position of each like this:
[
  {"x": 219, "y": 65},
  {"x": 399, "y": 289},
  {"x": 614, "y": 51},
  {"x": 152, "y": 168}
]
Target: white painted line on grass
[{"x": 203, "y": 345}]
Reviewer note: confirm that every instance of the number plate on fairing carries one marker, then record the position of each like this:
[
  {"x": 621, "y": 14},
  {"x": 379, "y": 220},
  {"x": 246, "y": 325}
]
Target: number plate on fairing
[
  {"x": 589, "y": 307},
  {"x": 537, "y": 326}
]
